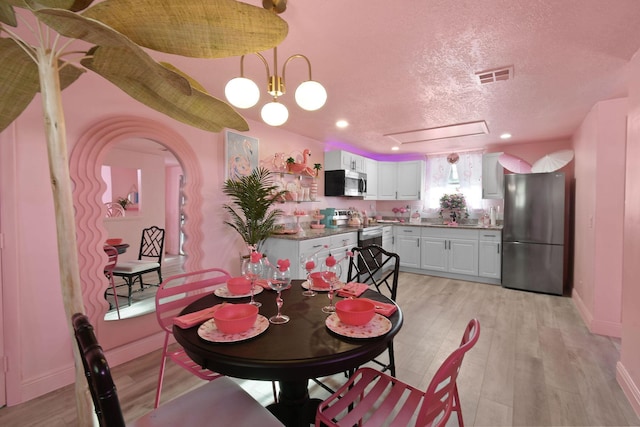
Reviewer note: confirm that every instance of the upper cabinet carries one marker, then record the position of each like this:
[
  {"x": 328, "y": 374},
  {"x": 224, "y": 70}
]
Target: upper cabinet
[
  {"x": 371, "y": 169},
  {"x": 492, "y": 177},
  {"x": 401, "y": 180},
  {"x": 339, "y": 159}
]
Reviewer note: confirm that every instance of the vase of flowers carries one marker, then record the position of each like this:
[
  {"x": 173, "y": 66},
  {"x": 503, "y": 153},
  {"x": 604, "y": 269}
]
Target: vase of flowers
[{"x": 455, "y": 204}]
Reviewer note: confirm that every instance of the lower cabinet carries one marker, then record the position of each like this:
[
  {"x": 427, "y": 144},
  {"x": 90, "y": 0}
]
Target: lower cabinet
[
  {"x": 472, "y": 254},
  {"x": 452, "y": 251},
  {"x": 490, "y": 254},
  {"x": 407, "y": 246},
  {"x": 282, "y": 248}
]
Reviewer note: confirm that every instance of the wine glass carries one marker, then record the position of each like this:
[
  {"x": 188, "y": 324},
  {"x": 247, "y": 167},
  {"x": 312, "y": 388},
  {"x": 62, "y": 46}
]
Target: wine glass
[
  {"x": 309, "y": 263},
  {"x": 331, "y": 275},
  {"x": 252, "y": 270},
  {"x": 280, "y": 279}
]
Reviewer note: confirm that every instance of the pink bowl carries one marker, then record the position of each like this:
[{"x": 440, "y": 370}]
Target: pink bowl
[
  {"x": 239, "y": 285},
  {"x": 355, "y": 311},
  {"x": 113, "y": 242},
  {"x": 316, "y": 280},
  {"x": 235, "y": 318}
]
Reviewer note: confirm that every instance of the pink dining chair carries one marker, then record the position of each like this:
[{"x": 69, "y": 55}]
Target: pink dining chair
[
  {"x": 380, "y": 399},
  {"x": 173, "y": 295},
  {"x": 112, "y": 253}
]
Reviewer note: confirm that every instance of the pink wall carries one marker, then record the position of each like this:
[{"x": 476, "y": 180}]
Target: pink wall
[
  {"x": 600, "y": 152},
  {"x": 31, "y": 288},
  {"x": 628, "y": 369}
]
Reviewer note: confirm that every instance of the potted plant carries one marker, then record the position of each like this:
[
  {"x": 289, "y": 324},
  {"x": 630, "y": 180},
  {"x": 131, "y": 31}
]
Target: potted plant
[
  {"x": 290, "y": 162},
  {"x": 317, "y": 167},
  {"x": 251, "y": 212},
  {"x": 124, "y": 202}
]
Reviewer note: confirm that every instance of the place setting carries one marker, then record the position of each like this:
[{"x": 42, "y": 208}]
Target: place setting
[
  {"x": 237, "y": 287},
  {"x": 360, "y": 318}
]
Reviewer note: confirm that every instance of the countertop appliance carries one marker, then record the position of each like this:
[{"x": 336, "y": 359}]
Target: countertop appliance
[
  {"x": 345, "y": 183},
  {"x": 533, "y": 232}
]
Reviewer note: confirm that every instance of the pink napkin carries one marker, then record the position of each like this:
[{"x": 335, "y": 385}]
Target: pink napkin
[
  {"x": 383, "y": 308},
  {"x": 192, "y": 319},
  {"x": 353, "y": 289},
  {"x": 263, "y": 283}
]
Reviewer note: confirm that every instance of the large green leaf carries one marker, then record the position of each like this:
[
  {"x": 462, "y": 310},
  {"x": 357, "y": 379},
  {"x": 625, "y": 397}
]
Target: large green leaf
[
  {"x": 121, "y": 67},
  {"x": 7, "y": 14},
  {"x": 76, "y": 26},
  {"x": 20, "y": 81},
  {"x": 72, "y": 5},
  {"x": 194, "y": 28}
]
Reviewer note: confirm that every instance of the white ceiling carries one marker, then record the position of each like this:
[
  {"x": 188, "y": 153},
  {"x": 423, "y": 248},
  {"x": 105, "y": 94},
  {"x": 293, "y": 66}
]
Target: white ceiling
[{"x": 397, "y": 66}]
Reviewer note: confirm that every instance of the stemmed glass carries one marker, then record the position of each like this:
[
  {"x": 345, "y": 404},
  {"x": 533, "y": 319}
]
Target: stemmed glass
[
  {"x": 280, "y": 279},
  {"x": 331, "y": 275},
  {"x": 251, "y": 269},
  {"x": 309, "y": 263}
]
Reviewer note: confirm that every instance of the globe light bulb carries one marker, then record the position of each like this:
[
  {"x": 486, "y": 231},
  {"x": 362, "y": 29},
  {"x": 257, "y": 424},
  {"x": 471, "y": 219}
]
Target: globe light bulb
[
  {"x": 242, "y": 92},
  {"x": 274, "y": 113},
  {"x": 311, "y": 95}
]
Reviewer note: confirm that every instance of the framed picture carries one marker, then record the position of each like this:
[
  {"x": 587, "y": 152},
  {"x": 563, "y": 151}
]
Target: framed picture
[{"x": 241, "y": 155}]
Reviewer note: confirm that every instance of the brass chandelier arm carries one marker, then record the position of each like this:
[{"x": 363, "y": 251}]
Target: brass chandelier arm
[{"x": 292, "y": 57}]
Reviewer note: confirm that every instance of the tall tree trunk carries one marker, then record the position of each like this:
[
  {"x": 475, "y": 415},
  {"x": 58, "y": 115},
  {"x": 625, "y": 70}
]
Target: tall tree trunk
[{"x": 65, "y": 218}]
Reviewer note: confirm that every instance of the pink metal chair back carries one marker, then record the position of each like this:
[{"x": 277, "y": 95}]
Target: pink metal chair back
[
  {"x": 373, "y": 398},
  {"x": 112, "y": 254},
  {"x": 441, "y": 397},
  {"x": 173, "y": 295}
]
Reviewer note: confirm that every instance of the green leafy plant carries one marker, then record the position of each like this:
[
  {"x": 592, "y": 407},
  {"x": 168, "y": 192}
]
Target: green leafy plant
[
  {"x": 252, "y": 215},
  {"x": 317, "y": 167}
]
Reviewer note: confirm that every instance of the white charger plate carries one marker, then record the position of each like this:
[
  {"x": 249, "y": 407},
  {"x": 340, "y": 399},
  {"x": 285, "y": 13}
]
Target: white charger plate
[
  {"x": 223, "y": 292},
  {"x": 376, "y": 327},
  {"x": 305, "y": 285},
  {"x": 209, "y": 332}
]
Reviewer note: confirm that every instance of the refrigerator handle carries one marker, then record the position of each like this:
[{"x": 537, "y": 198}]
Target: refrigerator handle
[{"x": 498, "y": 247}]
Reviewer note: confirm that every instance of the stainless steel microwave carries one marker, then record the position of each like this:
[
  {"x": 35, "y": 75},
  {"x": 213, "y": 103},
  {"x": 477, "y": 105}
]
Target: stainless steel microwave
[{"x": 345, "y": 183}]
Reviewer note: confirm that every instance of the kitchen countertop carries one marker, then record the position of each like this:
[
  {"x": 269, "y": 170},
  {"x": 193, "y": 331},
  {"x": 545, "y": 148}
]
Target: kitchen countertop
[{"x": 310, "y": 233}]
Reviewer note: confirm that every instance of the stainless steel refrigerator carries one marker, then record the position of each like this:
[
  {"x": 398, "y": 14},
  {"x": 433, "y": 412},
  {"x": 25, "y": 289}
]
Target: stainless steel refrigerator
[{"x": 533, "y": 233}]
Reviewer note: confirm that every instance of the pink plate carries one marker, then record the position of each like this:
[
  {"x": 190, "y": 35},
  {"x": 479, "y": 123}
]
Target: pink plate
[
  {"x": 223, "y": 292},
  {"x": 305, "y": 285},
  {"x": 378, "y": 326},
  {"x": 209, "y": 332}
]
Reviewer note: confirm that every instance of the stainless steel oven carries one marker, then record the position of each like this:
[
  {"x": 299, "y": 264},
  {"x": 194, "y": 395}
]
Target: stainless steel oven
[{"x": 370, "y": 236}]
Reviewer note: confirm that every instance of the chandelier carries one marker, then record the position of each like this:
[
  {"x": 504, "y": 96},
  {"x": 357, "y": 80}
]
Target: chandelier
[{"x": 242, "y": 92}]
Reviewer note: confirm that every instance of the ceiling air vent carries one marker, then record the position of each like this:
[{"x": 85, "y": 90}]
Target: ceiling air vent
[{"x": 492, "y": 76}]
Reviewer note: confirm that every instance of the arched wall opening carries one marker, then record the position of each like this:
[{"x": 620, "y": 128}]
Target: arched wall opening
[{"x": 84, "y": 166}]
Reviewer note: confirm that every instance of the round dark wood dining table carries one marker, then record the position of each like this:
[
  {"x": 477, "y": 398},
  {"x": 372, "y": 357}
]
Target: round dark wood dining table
[{"x": 290, "y": 353}]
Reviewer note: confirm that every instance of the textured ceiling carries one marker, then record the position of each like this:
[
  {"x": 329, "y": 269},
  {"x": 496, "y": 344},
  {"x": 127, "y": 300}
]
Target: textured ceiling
[{"x": 398, "y": 66}]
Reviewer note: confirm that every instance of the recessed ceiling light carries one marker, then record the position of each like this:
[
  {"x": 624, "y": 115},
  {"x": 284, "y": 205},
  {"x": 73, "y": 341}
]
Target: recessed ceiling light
[
  {"x": 395, "y": 148},
  {"x": 342, "y": 123},
  {"x": 505, "y": 135}
]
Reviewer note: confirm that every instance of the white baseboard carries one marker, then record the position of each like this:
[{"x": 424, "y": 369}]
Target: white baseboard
[{"x": 629, "y": 388}]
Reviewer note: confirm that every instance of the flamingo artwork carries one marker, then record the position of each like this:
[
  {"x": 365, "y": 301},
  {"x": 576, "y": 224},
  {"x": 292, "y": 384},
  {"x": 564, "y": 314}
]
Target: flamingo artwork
[{"x": 303, "y": 168}]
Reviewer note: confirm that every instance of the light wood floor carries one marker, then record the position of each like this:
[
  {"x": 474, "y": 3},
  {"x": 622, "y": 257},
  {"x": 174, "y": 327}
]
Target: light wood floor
[{"x": 534, "y": 365}]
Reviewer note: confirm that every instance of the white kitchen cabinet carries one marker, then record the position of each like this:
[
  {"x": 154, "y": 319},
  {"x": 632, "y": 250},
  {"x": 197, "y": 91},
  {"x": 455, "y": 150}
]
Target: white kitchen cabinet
[
  {"x": 490, "y": 254},
  {"x": 407, "y": 246},
  {"x": 492, "y": 177},
  {"x": 371, "y": 169},
  {"x": 387, "y": 180},
  {"x": 450, "y": 251},
  {"x": 282, "y": 248},
  {"x": 340, "y": 159},
  {"x": 410, "y": 180},
  {"x": 401, "y": 180},
  {"x": 387, "y": 240}
]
